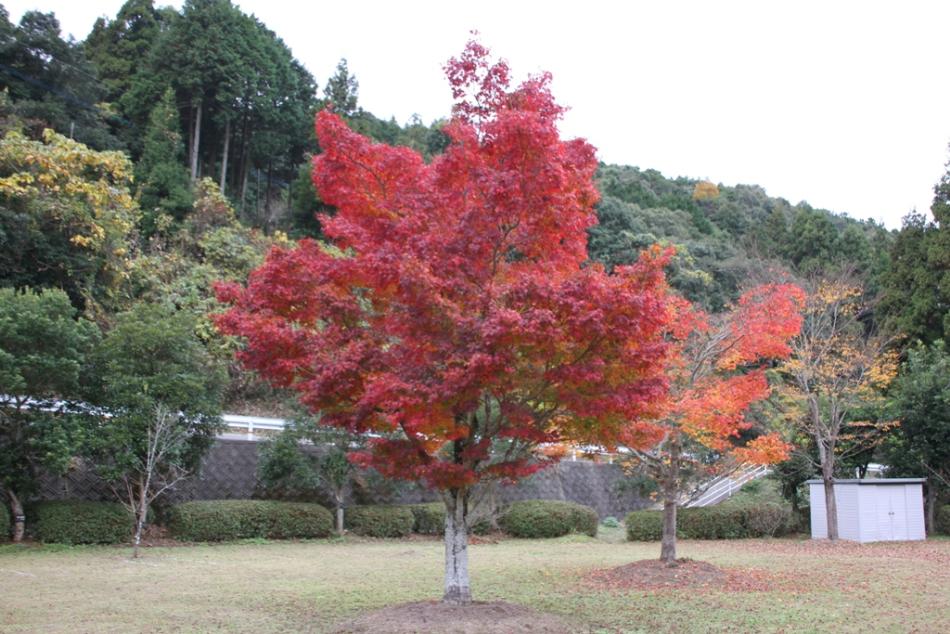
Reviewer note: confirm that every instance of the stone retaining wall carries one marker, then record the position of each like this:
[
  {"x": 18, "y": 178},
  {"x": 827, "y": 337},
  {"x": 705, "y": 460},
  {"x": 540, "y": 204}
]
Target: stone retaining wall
[{"x": 229, "y": 471}]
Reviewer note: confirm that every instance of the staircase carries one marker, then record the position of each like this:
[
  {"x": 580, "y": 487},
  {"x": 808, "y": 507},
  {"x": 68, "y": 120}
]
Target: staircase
[{"x": 724, "y": 487}]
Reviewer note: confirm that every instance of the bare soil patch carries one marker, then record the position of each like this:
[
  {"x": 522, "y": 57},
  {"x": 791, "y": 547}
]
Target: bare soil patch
[
  {"x": 496, "y": 617},
  {"x": 653, "y": 574}
]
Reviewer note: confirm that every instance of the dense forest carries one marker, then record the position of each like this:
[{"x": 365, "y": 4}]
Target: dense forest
[{"x": 171, "y": 149}]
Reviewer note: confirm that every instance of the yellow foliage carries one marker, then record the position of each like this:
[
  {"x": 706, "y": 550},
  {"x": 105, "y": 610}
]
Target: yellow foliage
[
  {"x": 705, "y": 190},
  {"x": 83, "y": 193}
]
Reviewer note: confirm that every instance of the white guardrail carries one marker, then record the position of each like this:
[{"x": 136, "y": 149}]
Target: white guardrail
[
  {"x": 724, "y": 487},
  {"x": 242, "y": 427},
  {"x": 250, "y": 426}
]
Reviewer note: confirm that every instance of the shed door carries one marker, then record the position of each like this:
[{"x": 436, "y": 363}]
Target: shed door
[{"x": 891, "y": 513}]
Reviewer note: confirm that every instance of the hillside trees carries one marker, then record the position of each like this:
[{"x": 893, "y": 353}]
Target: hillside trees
[
  {"x": 748, "y": 231},
  {"x": 43, "y": 348},
  {"x": 701, "y": 425},
  {"x": 50, "y": 81},
  {"x": 118, "y": 49},
  {"x": 921, "y": 446},
  {"x": 244, "y": 101},
  {"x": 66, "y": 218},
  {"x": 916, "y": 287},
  {"x": 458, "y": 321}
]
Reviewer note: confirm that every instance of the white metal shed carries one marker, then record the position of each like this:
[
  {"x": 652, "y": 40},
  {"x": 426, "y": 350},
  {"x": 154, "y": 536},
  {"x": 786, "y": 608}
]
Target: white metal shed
[{"x": 871, "y": 510}]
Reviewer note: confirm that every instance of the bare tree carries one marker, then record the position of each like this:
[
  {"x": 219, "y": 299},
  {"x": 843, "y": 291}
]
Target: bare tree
[{"x": 156, "y": 471}]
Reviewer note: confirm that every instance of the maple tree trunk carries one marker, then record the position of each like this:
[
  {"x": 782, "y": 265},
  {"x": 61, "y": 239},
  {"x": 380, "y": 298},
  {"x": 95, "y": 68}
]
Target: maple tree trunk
[
  {"x": 668, "y": 545},
  {"x": 831, "y": 505},
  {"x": 19, "y": 519},
  {"x": 668, "y": 484},
  {"x": 457, "y": 586}
]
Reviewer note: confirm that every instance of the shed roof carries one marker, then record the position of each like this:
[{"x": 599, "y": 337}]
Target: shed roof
[{"x": 875, "y": 481}]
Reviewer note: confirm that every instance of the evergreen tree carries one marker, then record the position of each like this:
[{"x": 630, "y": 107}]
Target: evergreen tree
[
  {"x": 162, "y": 179},
  {"x": 50, "y": 81},
  {"x": 916, "y": 286},
  {"x": 342, "y": 90},
  {"x": 117, "y": 49}
]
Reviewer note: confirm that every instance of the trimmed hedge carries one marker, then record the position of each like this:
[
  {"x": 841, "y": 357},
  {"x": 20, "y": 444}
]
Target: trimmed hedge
[
  {"x": 713, "y": 522},
  {"x": 942, "y": 520},
  {"x": 220, "y": 520},
  {"x": 5, "y": 525},
  {"x": 74, "y": 522},
  {"x": 430, "y": 520},
  {"x": 548, "y": 518},
  {"x": 644, "y": 526},
  {"x": 380, "y": 521}
]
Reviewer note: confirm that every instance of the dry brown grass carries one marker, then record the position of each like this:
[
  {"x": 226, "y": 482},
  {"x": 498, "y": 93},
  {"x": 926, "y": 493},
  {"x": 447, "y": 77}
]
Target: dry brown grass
[{"x": 310, "y": 586}]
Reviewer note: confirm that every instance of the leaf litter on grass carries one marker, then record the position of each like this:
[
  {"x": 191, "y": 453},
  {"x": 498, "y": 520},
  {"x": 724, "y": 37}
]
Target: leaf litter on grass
[{"x": 653, "y": 574}]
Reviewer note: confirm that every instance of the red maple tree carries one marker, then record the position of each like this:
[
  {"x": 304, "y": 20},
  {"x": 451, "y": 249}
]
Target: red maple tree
[
  {"x": 457, "y": 316},
  {"x": 714, "y": 378}
]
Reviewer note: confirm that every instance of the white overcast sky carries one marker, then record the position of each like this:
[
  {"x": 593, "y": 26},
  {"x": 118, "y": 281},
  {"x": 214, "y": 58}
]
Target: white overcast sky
[{"x": 843, "y": 104}]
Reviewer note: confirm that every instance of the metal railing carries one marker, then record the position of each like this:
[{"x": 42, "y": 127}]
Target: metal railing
[
  {"x": 251, "y": 426},
  {"x": 724, "y": 487}
]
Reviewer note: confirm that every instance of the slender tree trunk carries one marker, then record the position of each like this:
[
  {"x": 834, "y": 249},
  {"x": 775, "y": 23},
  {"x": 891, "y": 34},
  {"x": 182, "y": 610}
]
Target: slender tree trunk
[
  {"x": 245, "y": 158},
  {"x": 247, "y": 170},
  {"x": 224, "y": 156},
  {"x": 458, "y": 589},
  {"x": 191, "y": 131},
  {"x": 338, "y": 498},
  {"x": 196, "y": 143},
  {"x": 267, "y": 200},
  {"x": 141, "y": 516},
  {"x": 19, "y": 519},
  {"x": 931, "y": 507},
  {"x": 831, "y": 505}
]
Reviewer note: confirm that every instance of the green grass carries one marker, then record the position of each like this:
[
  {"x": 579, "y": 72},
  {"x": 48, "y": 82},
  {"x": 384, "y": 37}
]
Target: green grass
[{"x": 308, "y": 586}]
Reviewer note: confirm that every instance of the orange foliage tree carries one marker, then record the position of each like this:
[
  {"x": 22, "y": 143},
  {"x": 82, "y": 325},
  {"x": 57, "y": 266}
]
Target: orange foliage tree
[
  {"x": 714, "y": 375},
  {"x": 839, "y": 367}
]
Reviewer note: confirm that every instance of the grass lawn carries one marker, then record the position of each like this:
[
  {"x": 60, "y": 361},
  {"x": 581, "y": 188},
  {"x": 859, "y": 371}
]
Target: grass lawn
[{"x": 309, "y": 586}]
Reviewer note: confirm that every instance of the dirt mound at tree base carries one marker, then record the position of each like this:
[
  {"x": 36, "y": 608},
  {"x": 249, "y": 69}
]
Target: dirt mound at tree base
[
  {"x": 496, "y": 617},
  {"x": 653, "y": 574}
]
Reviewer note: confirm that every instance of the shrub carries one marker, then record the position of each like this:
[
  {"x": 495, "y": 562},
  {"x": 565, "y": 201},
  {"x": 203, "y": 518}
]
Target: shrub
[
  {"x": 4, "y": 523},
  {"x": 380, "y": 521},
  {"x": 712, "y": 522},
  {"x": 430, "y": 520},
  {"x": 768, "y": 520},
  {"x": 725, "y": 521},
  {"x": 644, "y": 526},
  {"x": 942, "y": 520},
  {"x": 548, "y": 518},
  {"x": 611, "y": 522},
  {"x": 218, "y": 520},
  {"x": 801, "y": 522},
  {"x": 74, "y": 522}
]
